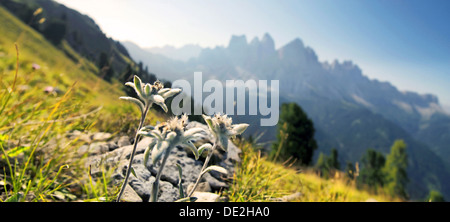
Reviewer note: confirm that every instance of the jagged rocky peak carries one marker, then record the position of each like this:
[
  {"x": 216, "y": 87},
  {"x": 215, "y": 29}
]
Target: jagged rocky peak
[
  {"x": 346, "y": 68},
  {"x": 237, "y": 41},
  {"x": 267, "y": 43},
  {"x": 255, "y": 41},
  {"x": 295, "y": 53}
]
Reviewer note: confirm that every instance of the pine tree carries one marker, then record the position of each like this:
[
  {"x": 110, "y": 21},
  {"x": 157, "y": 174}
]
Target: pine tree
[
  {"x": 322, "y": 165},
  {"x": 295, "y": 137},
  {"x": 371, "y": 173},
  {"x": 333, "y": 161},
  {"x": 395, "y": 170}
]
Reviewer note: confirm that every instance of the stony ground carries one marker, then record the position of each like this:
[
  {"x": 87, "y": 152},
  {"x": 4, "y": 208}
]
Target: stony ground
[{"x": 105, "y": 150}]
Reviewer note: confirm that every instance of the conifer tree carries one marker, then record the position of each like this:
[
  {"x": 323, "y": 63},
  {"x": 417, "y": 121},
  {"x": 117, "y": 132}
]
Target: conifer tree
[
  {"x": 295, "y": 137},
  {"x": 395, "y": 170}
]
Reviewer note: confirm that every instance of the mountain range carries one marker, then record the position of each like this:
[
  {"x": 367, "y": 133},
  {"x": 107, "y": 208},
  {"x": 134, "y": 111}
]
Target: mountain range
[{"x": 350, "y": 111}]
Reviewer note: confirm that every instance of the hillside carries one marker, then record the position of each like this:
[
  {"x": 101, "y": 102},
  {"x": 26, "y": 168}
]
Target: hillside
[
  {"x": 79, "y": 31},
  {"x": 52, "y": 92},
  {"x": 260, "y": 179}
]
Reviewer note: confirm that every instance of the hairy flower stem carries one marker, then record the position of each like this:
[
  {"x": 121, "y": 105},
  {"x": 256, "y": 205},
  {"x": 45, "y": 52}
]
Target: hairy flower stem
[
  {"x": 203, "y": 168},
  {"x": 133, "y": 152},
  {"x": 155, "y": 188}
]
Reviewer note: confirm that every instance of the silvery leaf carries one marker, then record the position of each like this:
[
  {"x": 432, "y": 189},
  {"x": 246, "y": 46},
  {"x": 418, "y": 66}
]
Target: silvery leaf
[
  {"x": 147, "y": 90},
  {"x": 138, "y": 85},
  {"x": 239, "y": 129},
  {"x": 162, "y": 91},
  {"x": 157, "y": 99},
  {"x": 208, "y": 120},
  {"x": 204, "y": 147},
  {"x": 170, "y": 93},
  {"x": 147, "y": 128},
  {"x": 157, "y": 153},
  {"x": 215, "y": 168},
  {"x": 223, "y": 142},
  {"x": 148, "y": 151},
  {"x": 192, "y": 131},
  {"x": 187, "y": 199},
  {"x": 180, "y": 184},
  {"x": 191, "y": 146},
  {"x": 135, "y": 101},
  {"x": 164, "y": 107}
]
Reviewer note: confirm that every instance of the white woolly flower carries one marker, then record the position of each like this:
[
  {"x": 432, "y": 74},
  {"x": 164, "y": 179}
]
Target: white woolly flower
[
  {"x": 168, "y": 135},
  {"x": 222, "y": 128},
  {"x": 149, "y": 94}
]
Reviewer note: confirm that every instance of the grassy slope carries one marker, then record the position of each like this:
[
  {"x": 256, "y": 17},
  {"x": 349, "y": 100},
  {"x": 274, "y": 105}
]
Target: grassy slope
[
  {"x": 31, "y": 119},
  {"x": 259, "y": 179}
]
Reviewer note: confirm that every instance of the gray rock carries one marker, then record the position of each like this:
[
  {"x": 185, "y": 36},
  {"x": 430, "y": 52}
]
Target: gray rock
[
  {"x": 130, "y": 195},
  {"x": 116, "y": 153},
  {"x": 141, "y": 187},
  {"x": 191, "y": 168},
  {"x": 123, "y": 141},
  {"x": 167, "y": 192},
  {"x": 202, "y": 187},
  {"x": 214, "y": 183},
  {"x": 101, "y": 136},
  {"x": 206, "y": 197},
  {"x": 80, "y": 136}
]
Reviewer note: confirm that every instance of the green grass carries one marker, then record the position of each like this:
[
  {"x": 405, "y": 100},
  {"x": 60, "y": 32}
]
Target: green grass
[
  {"x": 37, "y": 163},
  {"x": 259, "y": 179}
]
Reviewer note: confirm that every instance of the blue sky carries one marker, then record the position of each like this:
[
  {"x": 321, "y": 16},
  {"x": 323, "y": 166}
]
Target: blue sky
[{"x": 405, "y": 42}]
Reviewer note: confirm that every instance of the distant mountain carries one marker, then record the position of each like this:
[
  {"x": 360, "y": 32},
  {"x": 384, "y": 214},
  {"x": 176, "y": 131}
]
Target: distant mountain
[
  {"x": 350, "y": 111},
  {"x": 182, "y": 54}
]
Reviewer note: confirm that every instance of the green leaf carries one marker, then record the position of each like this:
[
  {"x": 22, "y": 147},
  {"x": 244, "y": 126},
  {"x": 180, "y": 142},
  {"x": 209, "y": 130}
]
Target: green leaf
[
  {"x": 138, "y": 85},
  {"x": 16, "y": 151},
  {"x": 15, "y": 198},
  {"x": 208, "y": 120},
  {"x": 132, "y": 171},
  {"x": 147, "y": 90}
]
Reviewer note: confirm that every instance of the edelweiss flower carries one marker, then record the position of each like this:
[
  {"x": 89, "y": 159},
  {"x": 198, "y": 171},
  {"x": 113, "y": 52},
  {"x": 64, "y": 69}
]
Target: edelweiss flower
[
  {"x": 222, "y": 128},
  {"x": 149, "y": 94},
  {"x": 168, "y": 135}
]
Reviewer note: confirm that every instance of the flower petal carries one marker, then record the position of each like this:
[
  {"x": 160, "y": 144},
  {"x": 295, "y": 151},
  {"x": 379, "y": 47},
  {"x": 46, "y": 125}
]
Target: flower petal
[
  {"x": 170, "y": 93},
  {"x": 192, "y": 131},
  {"x": 239, "y": 128}
]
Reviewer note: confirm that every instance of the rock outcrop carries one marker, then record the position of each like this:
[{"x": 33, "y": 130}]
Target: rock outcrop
[{"x": 117, "y": 151}]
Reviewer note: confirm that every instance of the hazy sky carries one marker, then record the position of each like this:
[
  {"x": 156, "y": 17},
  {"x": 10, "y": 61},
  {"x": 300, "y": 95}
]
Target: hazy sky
[{"x": 405, "y": 42}]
